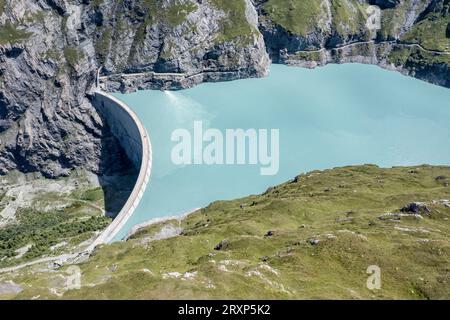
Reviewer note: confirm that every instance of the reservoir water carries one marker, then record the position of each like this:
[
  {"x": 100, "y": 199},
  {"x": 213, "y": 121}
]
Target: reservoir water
[{"x": 332, "y": 116}]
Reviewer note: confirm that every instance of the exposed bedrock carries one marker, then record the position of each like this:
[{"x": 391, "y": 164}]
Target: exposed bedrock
[
  {"x": 184, "y": 44},
  {"x": 408, "y": 36},
  {"x": 51, "y": 51},
  {"x": 47, "y": 122}
]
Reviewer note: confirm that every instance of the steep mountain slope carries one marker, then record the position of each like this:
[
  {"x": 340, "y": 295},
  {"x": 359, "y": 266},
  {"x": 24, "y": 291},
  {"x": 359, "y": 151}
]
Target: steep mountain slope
[
  {"x": 51, "y": 50},
  {"x": 312, "y": 237},
  {"x": 409, "y": 36},
  {"x": 200, "y": 40},
  {"x": 41, "y": 218},
  {"x": 47, "y": 123}
]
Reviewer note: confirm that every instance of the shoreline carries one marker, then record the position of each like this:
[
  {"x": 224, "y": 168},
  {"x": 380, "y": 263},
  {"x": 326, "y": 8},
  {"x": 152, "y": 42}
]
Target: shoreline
[
  {"x": 80, "y": 256},
  {"x": 144, "y": 172},
  {"x": 356, "y": 59},
  {"x": 377, "y": 54},
  {"x": 138, "y": 227}
]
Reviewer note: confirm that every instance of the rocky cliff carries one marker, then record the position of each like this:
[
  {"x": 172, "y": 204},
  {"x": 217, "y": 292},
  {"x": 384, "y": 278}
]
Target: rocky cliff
[
  {"x": 46, "y": 68},
  {"x": 51, "y": 51},
  {"x": 408, "y": 36},
  {"x": 176, "y": 44}
]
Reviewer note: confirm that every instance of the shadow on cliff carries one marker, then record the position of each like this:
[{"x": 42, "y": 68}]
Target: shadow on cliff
[{"x": 117, "y": 174}]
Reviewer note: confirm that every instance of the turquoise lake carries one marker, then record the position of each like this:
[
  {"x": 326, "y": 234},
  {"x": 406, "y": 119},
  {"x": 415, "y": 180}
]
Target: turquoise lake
[{"x": 332, "y": 116}]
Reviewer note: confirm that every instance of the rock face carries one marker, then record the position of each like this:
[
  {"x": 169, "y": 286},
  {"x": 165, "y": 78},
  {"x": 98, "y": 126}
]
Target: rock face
[
  {"x": 46, "y": 68},
  {"x": 176, "y": 44},
  {"x": 51, "y": 51},
  {"x": 408, "y": 36}
]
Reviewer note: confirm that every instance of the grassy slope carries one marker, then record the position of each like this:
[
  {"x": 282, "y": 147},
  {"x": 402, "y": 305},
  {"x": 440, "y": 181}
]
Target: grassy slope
[
  {"x": 303, "y": 17},
  {"x": 9, "y": 33},
  {"x": 339, "y": 207},
  {"x": 430, "y": 33},
  {"x": 299, "y": 17},
  {"x": 349, "y": 18},
  {"x": 235, "y": 26},
  {"x": 2, "y": 6},
  {"x": 50, "y": 218}
]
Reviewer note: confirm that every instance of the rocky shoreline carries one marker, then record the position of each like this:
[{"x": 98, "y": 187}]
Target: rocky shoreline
[
  {"x": 127, "y": 83},
  {"x": 375, "y": 54},
  {"x": 51, "y": 52},
  {"x": 314, "y": 49}
]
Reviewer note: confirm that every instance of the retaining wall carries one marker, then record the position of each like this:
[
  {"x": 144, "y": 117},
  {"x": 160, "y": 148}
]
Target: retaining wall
[{"x": 133, "y": 137}]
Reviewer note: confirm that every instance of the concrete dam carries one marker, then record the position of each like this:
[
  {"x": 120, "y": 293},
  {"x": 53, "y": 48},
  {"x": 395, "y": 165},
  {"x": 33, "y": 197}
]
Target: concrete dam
[{"x": 133, "y": 137}]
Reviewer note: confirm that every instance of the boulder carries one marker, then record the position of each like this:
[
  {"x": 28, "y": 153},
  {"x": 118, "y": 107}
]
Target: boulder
[
  {"x": 224, "y": 244},
  {"x": 415, "y": 208}
]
